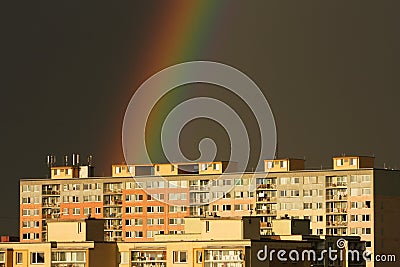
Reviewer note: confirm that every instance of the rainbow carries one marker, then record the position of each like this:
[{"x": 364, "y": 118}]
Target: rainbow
[{"x": 183, "y": 32}]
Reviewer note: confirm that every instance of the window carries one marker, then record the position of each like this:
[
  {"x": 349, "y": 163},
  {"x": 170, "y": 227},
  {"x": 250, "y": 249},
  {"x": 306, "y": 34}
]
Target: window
[
  {"x": 97, "y": 211},
  {"x": 76, "y": 211},
  {"x": 366, "y": 218},
  {"x": 118, "y": 169},
  {"x": 353, "y": 179},
  {"x": 128, "y": 210},
  {"x": 172, "y": 168},
  {"x": 295, "y": 180},
  {"x": 180, "y": 256},
  {"x": 366, "y": 231},
  {"x": 239, "y": 207},
  {"x": 216, "y": 167},
  {"x": 320, "y": 231},
  {"x": 294, "y": 193},
  {"x": 320, "y": 218},
  {"x": 354, "y": 218},
  {"x": 307, "y": 192},
  {"x": 320, "y": 205},
  {"x": 138, "y": 234},
  {"x": 239, "y": 194},
  {"x": 283, "y": 193},
  {"x": 307, "y": 206},
  {"x": 285, "y": 180},
  {"x": 270, "y": 164},
  {"x": 366, "y": 191},
  {"x": 87, "y": 211},
  {"x": 25, "y": 188},
  {"x": 138, "y": 209},
  {"x": 339, "y": 162},
  {"x": 366, "y": 178},
  {"x": 37, "y": 257},
  {"x": 207, "y": 226},
  {"x": 215, "y": 208},
  {"x": 18, "y": 257},
  {"x": 138, "y": 222},
  {"x": 75, "y": 199},
  {"x": 157, "y": 168},
  {"x": 239, "y": 181},
  {"x": 226, "y": 207},
  {"x": 124, "y": 257},
  {"x": 353, "y": 162},
  {"x": 128, "y": 234},
  {"x": 283, "y": 163},
  {"x": 65, "y": 211}
]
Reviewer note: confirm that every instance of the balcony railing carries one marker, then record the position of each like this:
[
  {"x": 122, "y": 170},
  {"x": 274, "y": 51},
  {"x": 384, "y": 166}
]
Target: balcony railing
[
  {"x": 336, "y": 210},
  {"x": 200, "y": 188},
  {"x": 113, "y": 227},
  {"x": 50, "y": 205},
  {"x": 265, "y": 224},
  {"x": 337, "y": 197},
  {"x": 266, "y": 186},
  {"x": 336, "y": 224},
  {"x": 336, "y": 184},
  {"x": 268, "y": 212},
  {"x": 51, "y": 216},
  {"x": 113, "y": 203},
  {"x": 266, "y": 199},
  {"x": 113, "y": 215},
  {"x": 50, "y": 192},
  {"x": 112, "y": 190}
]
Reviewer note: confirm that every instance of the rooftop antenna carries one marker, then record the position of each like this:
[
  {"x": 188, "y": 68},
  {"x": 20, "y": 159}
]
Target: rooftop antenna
[
  {"x": 51, "y": 161},
  {"x": 90, "y": 160}
]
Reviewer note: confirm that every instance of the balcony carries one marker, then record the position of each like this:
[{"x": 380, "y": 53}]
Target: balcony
[
  {"x": 50, "y": 204},
  {"x": 51, "y": 216},
  {"x": 336, "y": 223},
  {"x": 205, "y": 188},
  {"x": 264, "y": 225},
  {"x": 113, "y": 203},
  {"x": 113, "y": 227},
  {"x": 336, "y": 184},
  {"x": 336, "y": 210},
  {"x": 336, "y": 197},
  {"x": 266, "y": 199},
  {"x": 51, "y": 192},
  {"x": 112, "y": 190},
  {"x": 112, "y": 215},
  {"x": 266, "y": 186},
  {"x": 266, "y": 212}
]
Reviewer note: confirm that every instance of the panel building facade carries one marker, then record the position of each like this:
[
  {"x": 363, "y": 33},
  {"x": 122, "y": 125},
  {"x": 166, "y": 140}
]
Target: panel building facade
[{"x": 140, "y": 201}]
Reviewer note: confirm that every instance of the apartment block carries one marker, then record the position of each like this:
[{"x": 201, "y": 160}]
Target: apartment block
[{"x": 139, "y": 202}]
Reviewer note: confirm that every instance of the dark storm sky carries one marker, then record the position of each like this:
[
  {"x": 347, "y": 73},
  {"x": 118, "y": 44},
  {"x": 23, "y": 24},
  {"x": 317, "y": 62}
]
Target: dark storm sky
[{"x": 330, "y": 72}]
